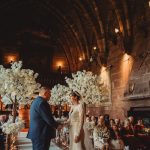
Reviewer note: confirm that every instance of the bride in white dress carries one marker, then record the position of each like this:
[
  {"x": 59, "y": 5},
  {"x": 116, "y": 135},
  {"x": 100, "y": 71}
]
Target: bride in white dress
[{"x": 79, "y": 139}]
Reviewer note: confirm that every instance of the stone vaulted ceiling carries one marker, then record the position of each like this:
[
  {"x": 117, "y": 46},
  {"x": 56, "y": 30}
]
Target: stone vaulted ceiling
[{"x": 75, "y": 26}]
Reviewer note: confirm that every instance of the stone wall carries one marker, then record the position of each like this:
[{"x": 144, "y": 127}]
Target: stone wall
[{"x": 130, "y": 77}]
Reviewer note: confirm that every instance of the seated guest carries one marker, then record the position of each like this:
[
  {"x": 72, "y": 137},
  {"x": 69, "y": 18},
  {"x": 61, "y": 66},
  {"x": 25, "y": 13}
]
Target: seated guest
[
  {"x": 138, "y": 128},
  {"x": 116, "y": 142},
  {"x": 142, "y": 137},
  {"x": 101, "y": 135},
  {"x": 118, "y": 123},
  {"x": 127, "y": 129},
  {"x": 130, "y": 140},
  {"x": 111, "y": 123},
  {"x": 106, "y": 118},
  {"x": 126, "y": 132},
  {"x": 89, "y": 125},
  {"x": 132, "y": 122},
  {"x": 87, "y": 119},
  {"x": 93, "y": 120},
  {"x": 92, "y": 124}
]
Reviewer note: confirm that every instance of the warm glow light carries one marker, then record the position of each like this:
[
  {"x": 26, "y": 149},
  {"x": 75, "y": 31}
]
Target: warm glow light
[
  {"x": 103, "y": 69},
  {"x": 105, "y": 76},
  {"x": 11, "y": 59},
  {"x": 80, "y": 59},
  {"x": 116, "y": 30},
  {"x": 83, "y": 56},
  {"x": 126, "y": 56},
  {"x": 59, "y": 64},
  {"x": 126, "y": 67},
  {"x": 149, "y": 3},
  {"x": 94, "y": 47}
]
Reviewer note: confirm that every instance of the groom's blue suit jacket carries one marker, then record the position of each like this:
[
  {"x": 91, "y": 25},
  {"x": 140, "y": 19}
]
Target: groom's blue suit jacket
[{"x": 42, "y": 123}]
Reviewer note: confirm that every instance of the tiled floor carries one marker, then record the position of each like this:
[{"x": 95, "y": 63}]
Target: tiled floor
[{"x": 25, "y": 144}]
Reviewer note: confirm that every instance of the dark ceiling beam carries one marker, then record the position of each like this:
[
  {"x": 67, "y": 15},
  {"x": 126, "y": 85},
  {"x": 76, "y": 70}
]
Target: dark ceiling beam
[
  {"x": 97, "y": 12},
  {"x": 89, "y": 15},
  {"x": 64, "y": 45},
  {"x": 122, "y": 13},
  {"x": 73, "y": 49},
  {"x": 127, "y": 20},
  {"x": 71, "y": 38},
  {"x": 117, "y": 12},
  {"x": 63, "y": 19},
  {"x": 66, "y": 54},
  {"x": 40, "y": 23},
  {"x": 128, "y": 38},
  {"x": 9, "y": 5},
  {"x": 81, "y": 30},
  {"x": 73, "y": 34},
  {"x": 68, "y": 49},
  {"x": 61, "y": 24},
  {"x": 84, "y": 32}
]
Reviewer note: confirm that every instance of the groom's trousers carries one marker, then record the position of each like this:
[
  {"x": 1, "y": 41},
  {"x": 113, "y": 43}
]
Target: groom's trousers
[{"x": 38, "y": 144}]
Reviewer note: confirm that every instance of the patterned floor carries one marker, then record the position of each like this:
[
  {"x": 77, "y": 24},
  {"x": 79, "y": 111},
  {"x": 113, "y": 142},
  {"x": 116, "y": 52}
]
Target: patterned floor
[{"x": 25, "y": 144}]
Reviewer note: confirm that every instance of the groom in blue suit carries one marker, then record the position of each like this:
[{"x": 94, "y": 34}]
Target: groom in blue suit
[{"x": 42, "y": 124}]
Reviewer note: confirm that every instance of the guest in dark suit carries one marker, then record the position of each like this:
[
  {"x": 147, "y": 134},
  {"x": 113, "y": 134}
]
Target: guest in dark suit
[{"x": 42, "y": 124}]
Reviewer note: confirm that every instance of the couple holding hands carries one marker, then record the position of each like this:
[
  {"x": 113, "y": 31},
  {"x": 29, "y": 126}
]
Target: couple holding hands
[{"x": 43, "y": 126}]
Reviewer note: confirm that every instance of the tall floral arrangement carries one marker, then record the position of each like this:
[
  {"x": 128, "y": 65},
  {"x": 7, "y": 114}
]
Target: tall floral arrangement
[
  {"x": 17, "y": 85},
  {"x": 84, "y": 82},
  {"x": 59, "y": 94},
  {"x": 89, "y": 86}
]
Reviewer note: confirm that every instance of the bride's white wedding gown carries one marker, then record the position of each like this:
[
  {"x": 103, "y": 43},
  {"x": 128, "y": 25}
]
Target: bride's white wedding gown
[{"x": 76, "y": 120}]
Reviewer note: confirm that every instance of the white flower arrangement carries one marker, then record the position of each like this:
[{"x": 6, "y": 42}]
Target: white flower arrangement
[
  {"x": 12, "y": 128},
  {"x": 59, "y": 95},
  {"x": 89, "y": 86},
  {"x": 17, "y": 84},
  {"x": 84, "y": 82}
]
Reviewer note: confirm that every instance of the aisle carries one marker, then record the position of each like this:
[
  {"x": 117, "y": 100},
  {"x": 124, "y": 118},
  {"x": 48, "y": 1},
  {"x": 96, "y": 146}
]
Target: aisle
[{"x": 25, "y": 144}]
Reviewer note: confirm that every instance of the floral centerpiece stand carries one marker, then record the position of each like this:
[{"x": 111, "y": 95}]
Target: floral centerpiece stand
[{"x": 17, "y": 86}]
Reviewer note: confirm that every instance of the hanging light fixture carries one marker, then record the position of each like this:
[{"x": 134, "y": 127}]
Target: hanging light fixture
[
  {"x": 116, "y": 30},
  {"x": 94, "y": 47},
  {"x": 80, "y": 58}
]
